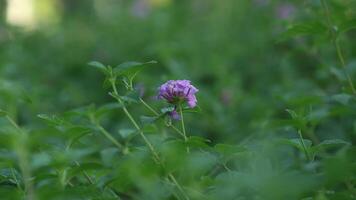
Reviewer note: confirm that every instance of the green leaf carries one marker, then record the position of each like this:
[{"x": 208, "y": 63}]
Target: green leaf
[
  {"x": 317, "y": 115},
  {"x": 100, "y": 66},
  {"x": 131, "y": 68},
  {"x": 297, "y": 143},
  {"x": 84, "y": 111},
  {"x": 51, "y": 119},
  {"x": 306, "y": 28},
  {"x": 338, "y": 73},
  {"x": 195, "y": 141},
  {"x": 196, "y": 109},
  {"x": 333, "y": 142},
  {"x": 127, "y": 133},
  {"x": 167, "y": 109},
  {"x": 77, "y": 133},
  {"x": 115, "y": 95},
  {"x": 299, "y": 121},
  {"x": 41, "y": 159},
  {"x": 106, "y": 109},
  {"x": 26, "y": 97},
  {"x": 83, "y": 167},
  {"x": 227, "y": 150},
  {"x": 292, "y": 113},
  {"x": 131, "y": 97},
  {"x": 304, "y": 100},
  {"x": 342, "y": 98},
  {"x": 347, "y": 25},
  {"x": 329, "y": 144}
]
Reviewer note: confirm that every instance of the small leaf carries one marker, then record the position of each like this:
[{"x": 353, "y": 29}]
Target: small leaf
[
  {"x": 167, "y": 109},
  {"x": 196, "y": 109},
  {"x": 317, "y": 115},
  {"x": 347, "y": 25},
  {"x": 106, "y": 108},
  {"x": 26, "y": 97},
  {"x": 338, "y": 73},
  {"x": 306, "y": 28},
  {"x": 76, "y": 134},
  {"x": 131, "y": 68},
  {"x": 131, "y": 97},
  {"x": 227, "y": 150},
  {"x": 297, "y": 143},
  {"x": 51, "y": 120},
  {"x": 299, "y": 121},
  {"x": 342, "y": 98},
  {"x": 83, "y": 167},
  {"x": 292, "y": 113},
  {"x": 127, "y": 133},
  {"x": 115, "y": 96},
  {"x": 328, "y": 144},
  {"x": 195, "y": 141},
  {"x": 100, "y": 66}
]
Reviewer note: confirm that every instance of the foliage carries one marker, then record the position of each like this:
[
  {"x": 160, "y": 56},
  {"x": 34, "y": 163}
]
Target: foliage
[{"x": 276, "y": 114}]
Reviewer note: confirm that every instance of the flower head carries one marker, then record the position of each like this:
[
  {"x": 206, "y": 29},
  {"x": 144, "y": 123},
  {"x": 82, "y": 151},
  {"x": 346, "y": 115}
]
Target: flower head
[{"x": 177, "y": 92}]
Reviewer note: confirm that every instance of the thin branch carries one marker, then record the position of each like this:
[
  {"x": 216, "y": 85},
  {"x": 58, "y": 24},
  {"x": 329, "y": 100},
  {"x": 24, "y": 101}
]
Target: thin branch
[{"x": 337, "y": 45}]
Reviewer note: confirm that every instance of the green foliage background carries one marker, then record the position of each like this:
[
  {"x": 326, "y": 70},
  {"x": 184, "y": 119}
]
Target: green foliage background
[{"x": 268, "y": 71}]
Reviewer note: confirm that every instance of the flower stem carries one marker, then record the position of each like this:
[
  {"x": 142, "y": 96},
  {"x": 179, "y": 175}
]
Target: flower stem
[
  {"x": 127, "y": 113},
  {"x": 157, "y": 114},
  {"x": 337, "y": 45},
  {"x": 183, "y": 126},
  {"x": 145, "y": 139},
  {"x": 304, "y": 146},
  {"x": 109, "y": 136},
  {"x": 149, "y": 107}
]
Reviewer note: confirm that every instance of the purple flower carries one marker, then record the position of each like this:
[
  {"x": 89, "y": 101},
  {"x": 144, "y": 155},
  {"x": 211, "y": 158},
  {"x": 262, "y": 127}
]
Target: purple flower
[
  {"x": 285, "y": 11},
  {"x": 177, "y": 92},
  {"x": 174, "y": 114}
]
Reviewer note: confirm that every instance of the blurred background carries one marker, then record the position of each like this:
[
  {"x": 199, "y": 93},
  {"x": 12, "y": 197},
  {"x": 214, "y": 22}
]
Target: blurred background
[
  {"x": 251, "y": 61},
  {"x": 248, "y": 73}
]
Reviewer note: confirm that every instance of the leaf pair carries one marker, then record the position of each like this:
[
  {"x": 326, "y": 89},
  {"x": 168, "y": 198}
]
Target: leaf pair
[
  {"x": 317, "y": 149},
  {"x": 127, "y": 71}
]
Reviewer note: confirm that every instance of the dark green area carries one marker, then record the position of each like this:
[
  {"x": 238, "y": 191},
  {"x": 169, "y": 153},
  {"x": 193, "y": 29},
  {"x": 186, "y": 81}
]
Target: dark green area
[{"x": 276, "y": 117}]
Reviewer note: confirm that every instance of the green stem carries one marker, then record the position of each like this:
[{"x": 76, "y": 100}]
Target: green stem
[
  {"x": 176, "y": 129},
  {"x": 337, "y": 45},
  {"x": 149, "y": 107},
  {"x": 304, "y": 146},
  {"x": 148, "y": 143},
  {"x": 106, "y": 133},
  {"x": 157, "y": 114},
  {"x": 109, "y": 136},
  {"x": 22, "y": 153},
  {"x": 170, "y": 175},
  {"x": 13, "y": 123},
  {"x": 183, "y": 126},
  {"x": 145, "y": 139},
  {"x": 86, "y": 175}
]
